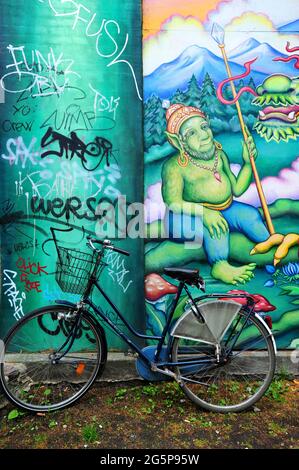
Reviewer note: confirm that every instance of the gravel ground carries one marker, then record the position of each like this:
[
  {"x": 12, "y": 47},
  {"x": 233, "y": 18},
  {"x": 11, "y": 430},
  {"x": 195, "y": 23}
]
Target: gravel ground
[{"x": 140, "y": 415}]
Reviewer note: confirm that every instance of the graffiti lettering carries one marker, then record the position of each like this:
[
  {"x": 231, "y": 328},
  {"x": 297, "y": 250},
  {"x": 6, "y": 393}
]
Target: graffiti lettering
[
  {"x": 20, "y": 154},
  {"x": 33, "y": 269},
  {"x": 90, "y": 155},
  {"x": 21, "y": 246},
  {"x": 64, "y": 327},
  {"x": 14, "y": 297},
  {"x": 117, "y": 270},
  {"x": 109, "y": 32},
  {"x": 8, "y": 126},
  {"x": 71, "y": 177},
  {"x": 27, "y": 79},
  {"x": 58, "y": 207},
  {"x": 101, "y": 103},
  {"x": 74, "y": 118}
]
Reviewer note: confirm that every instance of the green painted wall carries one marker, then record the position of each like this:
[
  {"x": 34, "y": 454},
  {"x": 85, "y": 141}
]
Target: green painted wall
[{"x": 71, "y": 73}]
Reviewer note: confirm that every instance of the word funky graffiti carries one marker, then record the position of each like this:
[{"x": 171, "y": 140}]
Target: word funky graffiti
[
  {"x": 107, "y": 36},
  {"x": 28, "y": 268},
  {"x": 90, "y": 155},
  {"x": 15, "y": 298},
  {"x": 23, "y": 77}
]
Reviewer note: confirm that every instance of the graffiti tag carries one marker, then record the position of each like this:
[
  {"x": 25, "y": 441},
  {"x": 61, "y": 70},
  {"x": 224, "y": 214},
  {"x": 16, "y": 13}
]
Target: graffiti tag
[
  {"x": 91, "y": 155},
  {"x": 15, "y": 298}
]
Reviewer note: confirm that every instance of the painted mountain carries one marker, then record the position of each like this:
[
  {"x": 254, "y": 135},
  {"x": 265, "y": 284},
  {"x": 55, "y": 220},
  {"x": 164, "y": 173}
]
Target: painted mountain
[
  {"x": 198, "y": 61},
  {"x": 195, "y": 60},
  {"x": 290, "y": 27},
  {"x": 265, "y": 54}
]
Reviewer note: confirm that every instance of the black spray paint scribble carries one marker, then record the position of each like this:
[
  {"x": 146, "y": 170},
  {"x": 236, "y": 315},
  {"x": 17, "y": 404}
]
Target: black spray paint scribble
[{"x": 91, "y": 154}]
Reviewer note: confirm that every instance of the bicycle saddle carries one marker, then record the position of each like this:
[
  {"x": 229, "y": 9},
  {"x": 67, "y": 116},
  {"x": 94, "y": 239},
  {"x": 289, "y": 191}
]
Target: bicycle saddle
[{"x": 190, "y": 276}]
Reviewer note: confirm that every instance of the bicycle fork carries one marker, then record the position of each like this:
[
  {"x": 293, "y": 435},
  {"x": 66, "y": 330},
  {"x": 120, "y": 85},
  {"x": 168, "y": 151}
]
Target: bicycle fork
[{"x": 55, "y": 357}]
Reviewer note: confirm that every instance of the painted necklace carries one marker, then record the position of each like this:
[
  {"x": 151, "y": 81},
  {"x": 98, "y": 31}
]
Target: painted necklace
[{"x": 204, "y": 167}]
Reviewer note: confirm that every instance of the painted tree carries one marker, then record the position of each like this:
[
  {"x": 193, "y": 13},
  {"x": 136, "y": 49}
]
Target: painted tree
[
  {"x": 154, "y": 122},
  {"x": 212, "y": 107},
  {"x": 179, "y": 97},
  {"x": 193, "y": 93}
]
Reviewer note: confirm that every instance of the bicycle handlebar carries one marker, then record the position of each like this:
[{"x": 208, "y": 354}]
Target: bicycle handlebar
[{"x": 106, "y": 244}]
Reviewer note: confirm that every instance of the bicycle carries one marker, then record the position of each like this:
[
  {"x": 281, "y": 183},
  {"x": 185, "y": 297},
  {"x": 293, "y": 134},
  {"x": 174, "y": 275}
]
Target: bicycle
[{"x": 220, "y": 352}]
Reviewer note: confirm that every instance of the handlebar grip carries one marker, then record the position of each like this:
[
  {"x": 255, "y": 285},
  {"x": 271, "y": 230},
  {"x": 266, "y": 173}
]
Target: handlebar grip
[
  {"x": 110, "y": 247},
  {"x": 119, "y": 250},
  {"x": 94, "y": 240}
]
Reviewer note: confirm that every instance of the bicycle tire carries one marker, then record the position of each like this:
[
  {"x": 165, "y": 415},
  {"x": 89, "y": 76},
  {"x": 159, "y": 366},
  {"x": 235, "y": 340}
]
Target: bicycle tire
[
  {"x": 59, "y": 332},
  {"x": 203, "y": 403}
]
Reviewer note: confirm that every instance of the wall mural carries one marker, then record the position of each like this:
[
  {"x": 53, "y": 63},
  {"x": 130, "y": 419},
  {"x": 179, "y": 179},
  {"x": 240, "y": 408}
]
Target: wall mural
[
  {"x": 221, "y": 110},
  {"x": 71, "y": 140}
]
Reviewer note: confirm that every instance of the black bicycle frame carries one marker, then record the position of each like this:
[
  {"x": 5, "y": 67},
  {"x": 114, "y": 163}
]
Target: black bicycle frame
[
  {"x": 93, "y": 282},
  {"x": 119, "y": 332}
]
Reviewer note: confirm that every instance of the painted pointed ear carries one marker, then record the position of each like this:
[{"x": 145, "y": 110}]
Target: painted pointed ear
[{"x": 174, "y": 140}]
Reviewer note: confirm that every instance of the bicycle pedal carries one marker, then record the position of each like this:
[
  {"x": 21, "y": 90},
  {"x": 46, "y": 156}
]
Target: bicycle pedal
[{"x": 131, "y": 353}]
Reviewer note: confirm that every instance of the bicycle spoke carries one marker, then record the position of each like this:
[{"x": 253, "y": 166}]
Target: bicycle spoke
[
  {"x": 237, "y": 379},
  {"x": 31, "y": 376}
]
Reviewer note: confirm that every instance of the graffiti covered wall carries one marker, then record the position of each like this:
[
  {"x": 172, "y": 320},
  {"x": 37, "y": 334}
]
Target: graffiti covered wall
[
  {"x": 71, "y": 141},
  {"x": 241, "y": 200}
]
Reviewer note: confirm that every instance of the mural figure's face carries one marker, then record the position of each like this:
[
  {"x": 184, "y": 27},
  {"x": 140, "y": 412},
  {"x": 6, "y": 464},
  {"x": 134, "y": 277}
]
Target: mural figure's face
[
  {"x": 279, "y": 118},
  {"x": 197, "y": 138}
]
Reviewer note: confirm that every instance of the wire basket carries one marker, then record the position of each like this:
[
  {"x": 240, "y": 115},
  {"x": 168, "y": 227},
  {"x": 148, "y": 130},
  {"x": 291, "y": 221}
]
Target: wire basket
[{"x": 73, "y": 269}]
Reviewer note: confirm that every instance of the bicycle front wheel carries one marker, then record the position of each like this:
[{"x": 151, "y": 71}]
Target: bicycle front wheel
[
  {"x": 31, "y": 375},
  {"x": 236, "y": 379}
]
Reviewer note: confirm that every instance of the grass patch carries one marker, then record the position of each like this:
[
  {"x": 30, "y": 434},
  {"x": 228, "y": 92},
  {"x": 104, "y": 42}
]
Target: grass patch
[
  {"x": 90, "y": 433},
  {"x": 277, "y": 390}
]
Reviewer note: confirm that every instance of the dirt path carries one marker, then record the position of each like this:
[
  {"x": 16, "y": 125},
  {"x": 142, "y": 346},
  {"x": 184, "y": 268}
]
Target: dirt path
[{"x": 139, "y": 415}]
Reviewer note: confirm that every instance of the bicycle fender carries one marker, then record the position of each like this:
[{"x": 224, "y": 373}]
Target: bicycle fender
[
  {"x": 66, "y": 303},
  {"x": 269, "y": 331}
]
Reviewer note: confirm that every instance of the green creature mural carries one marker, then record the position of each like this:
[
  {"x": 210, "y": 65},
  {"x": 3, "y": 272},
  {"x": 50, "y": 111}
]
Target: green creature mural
[
  {"x": 225, "y": 183},
  {"x": 279, "y": 120},
  {"x": 198, "y": 183},
  {"x": 278, "y": 98}
]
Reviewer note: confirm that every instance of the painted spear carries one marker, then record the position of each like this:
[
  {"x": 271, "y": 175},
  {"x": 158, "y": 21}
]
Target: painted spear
[{"x": 218, "y": 35}]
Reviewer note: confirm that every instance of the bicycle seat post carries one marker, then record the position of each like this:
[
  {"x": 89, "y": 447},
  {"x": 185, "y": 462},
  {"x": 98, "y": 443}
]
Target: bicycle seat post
[{"x": 169, "y": 318}]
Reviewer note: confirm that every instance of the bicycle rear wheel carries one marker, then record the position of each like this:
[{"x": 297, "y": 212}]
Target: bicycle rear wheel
[
  {"x": 240, "y": 378},
  {"x": 31, "y": 376}
]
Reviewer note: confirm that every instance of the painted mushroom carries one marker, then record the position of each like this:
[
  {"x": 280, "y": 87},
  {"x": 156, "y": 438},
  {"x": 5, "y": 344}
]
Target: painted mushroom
[
  {"x": 156, "y": 293},
  {"x": 156, "y": 287}
]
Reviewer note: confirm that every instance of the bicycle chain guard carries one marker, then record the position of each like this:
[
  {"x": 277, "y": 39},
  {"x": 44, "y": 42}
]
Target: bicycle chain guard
[{"x": 144, "y": 370}]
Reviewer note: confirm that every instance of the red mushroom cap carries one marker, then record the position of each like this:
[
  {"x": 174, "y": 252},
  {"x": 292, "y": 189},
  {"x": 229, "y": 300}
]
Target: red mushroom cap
[
  {"x": 261, "y": 303},
  {"x": 156, "y": 287}
]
